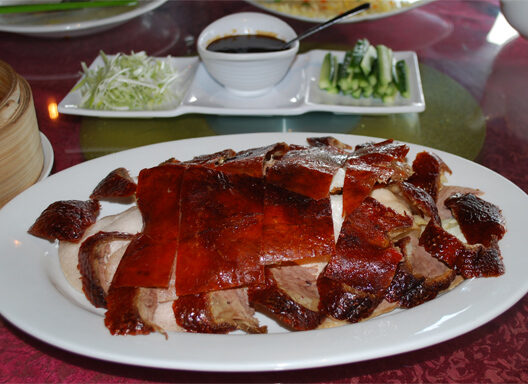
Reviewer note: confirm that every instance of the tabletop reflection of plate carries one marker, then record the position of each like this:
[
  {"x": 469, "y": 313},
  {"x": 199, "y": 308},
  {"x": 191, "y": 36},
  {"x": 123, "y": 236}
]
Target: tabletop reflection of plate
[
  {"x": 31, "y": 281},
  {"x": 73, "y": 23},
  {"x": 301, "y": 10}
]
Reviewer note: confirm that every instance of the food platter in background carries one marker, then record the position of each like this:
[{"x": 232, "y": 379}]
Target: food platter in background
[
  {"x": 74, "y": 23},
  {"x": 321, "y": 10}
]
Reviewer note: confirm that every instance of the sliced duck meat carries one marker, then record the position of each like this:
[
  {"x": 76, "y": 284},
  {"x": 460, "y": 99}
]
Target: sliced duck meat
[
  {"x": 216, "y": 312},
  {"x": 428, "y": 170},
  {"x": 391, "y": 197},
  {"x": 467, "y": 260},
  {"x": 231, "y": 306},
  {"x": 65, "y": 220},
  {"x": 480, "y": 221},
  {"x": 221, "y": 231},
  {"x": 290, "y": 296},
  {"x": 96, "y": 263},
  {"x": 308, "y": 171},
  {"x": 155, "y": 312},
  {"x": 295, "y": 227},
  {"x": 116, "y": 184},
  {"x": 150, "y": 309},
  {"x": 299, "y": 281},
  {"x": 327, "y": 141},
  {"x": 419, "y": 277},
  {"x": 149, "y": 259},
  {"x": 128, "y": 221},
  {"x": 420, "y": 199},
  {"x": 122, "y": 316}
]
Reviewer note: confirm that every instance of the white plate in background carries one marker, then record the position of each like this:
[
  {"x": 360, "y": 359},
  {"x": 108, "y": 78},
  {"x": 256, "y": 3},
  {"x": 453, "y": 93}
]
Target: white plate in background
[
  {"x": 74, "y": 22},
  {"x": 31, "y": 281},
  {"x": 352, "y": 19}
]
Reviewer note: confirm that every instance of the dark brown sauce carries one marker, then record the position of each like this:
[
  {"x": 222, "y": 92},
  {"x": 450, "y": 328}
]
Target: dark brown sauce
[{"x": 247, "y": 44}]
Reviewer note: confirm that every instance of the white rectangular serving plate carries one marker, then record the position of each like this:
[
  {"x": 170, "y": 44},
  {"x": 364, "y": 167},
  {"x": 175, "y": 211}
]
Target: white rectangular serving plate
[{"x": 296, "y": 94}]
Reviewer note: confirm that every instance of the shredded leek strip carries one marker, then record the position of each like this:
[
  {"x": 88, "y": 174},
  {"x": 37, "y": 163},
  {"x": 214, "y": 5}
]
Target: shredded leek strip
[{"x": 130, "y": 82}]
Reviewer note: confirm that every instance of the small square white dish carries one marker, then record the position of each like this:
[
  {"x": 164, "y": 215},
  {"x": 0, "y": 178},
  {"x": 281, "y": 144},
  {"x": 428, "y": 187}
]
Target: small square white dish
[
  {"x": 296, "y": 94},
  {"x": 323, "y": 101}
]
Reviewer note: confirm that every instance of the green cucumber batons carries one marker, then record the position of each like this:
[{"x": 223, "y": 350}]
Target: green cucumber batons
[{"x": 366, "y": 71}]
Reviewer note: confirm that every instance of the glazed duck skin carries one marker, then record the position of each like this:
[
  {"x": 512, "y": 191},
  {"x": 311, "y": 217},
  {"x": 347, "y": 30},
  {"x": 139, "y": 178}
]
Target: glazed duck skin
[
  {"x": 149, "y": 260},
  {"x": 221, "y": 231}
]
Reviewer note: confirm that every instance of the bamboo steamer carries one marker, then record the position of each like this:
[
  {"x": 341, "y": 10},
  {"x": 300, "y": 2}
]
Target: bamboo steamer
[{"x": 21, "y": 154}]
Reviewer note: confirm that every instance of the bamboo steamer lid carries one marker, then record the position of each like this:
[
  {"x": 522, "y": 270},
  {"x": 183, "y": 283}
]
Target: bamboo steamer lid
[{"x": 21, "y": 154}]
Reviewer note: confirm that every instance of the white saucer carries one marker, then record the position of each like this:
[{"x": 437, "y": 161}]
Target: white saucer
[{"x": 48, "y": 157}]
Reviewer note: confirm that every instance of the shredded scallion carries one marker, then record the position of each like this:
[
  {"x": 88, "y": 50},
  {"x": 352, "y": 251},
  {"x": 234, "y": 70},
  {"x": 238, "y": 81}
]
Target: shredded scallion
[{"x": 130, "y": 82}]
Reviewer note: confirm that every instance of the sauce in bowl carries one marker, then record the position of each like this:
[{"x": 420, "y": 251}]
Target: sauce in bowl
[{"x": 247, "y": 44}]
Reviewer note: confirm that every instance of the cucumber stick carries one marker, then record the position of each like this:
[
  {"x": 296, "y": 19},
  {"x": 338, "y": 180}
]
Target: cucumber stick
[
  {"x": 384, "y": 64},
  {"x": 359, "y": 51},
  {"x": 401, "y": 70},
  {"x": 325, "y": 76},
  {"x": 369, "y": 58}
]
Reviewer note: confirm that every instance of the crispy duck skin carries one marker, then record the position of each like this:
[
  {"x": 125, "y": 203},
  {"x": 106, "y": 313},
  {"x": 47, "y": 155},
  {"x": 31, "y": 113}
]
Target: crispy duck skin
[
  {"x": 327, "y": 141},
  {"x": 307, "y": 170},
  {"x": 446, "y": 192},
  {"x": 481, "y": 222},
  {"x": 345, "y": 303},
  {"x": 212, "y": 160},
  {"x": 253, "y": 162},
  {"x": 65, "y": 220},
  {"x": 467, "y": 260},
  {"x": 369, "y": 165},
  {"x": 226, "y": 254},
  {"x": 93, "y": 257},
  {"x": 295, "y": 227},
  {"x": 386, "y": 150},
  {"x": 363, "y": 266},
  {"x": 356, "y": 278},
  {"x": 149, "y": 259},
  {"x": 428, "y": 170},
  {"x": 117, "y": 183},
  {"x": 360, "y": 179},
  {"x": 420, "y": 199}
]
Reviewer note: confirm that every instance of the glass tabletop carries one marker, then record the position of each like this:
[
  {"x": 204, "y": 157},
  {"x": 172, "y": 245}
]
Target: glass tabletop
[{"x": 474, "y": 73}]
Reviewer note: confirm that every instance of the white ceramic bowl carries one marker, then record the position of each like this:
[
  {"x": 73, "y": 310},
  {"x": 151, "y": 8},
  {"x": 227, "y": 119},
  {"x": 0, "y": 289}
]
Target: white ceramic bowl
[
  {"x": 516, "y": 12},
  {"x": 247, "y": 73}
]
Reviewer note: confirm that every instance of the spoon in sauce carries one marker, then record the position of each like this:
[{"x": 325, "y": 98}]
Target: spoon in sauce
[
  {"x": 326, "y": 24},
  {"x": 263, "y": 43}
]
